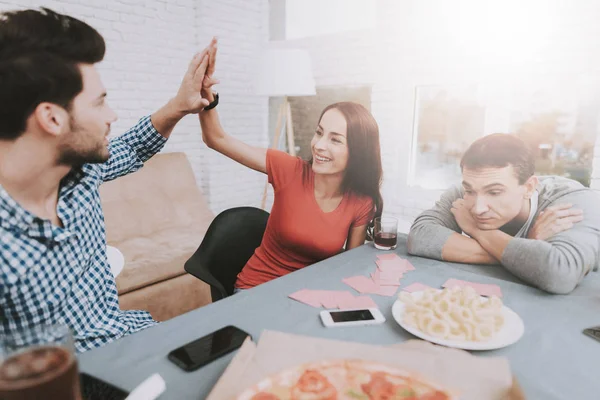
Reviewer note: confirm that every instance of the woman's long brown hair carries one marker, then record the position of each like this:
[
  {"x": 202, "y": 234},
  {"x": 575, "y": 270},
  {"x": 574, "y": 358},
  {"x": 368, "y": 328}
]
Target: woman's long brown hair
[{"x": 364, "y": 172}]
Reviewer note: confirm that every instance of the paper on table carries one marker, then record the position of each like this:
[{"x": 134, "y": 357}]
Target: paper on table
[
  {"x": 387, "y": 257},
  {"x": 474, "y": 377},
  {"x": 408, "y": 265},
  {"x": 377, "y": 277},
  {"x": 359, "y": 302},
  {"x": 331, "y": 299},
  {"x": 361, "y": 284},
  {"x": 365, "y": 285},
  {"x": 327, "y": 298},
  {"x": 307, "y": 297},
  {"x": 398, "y": 265},
  {"x": 416, "y": 287},
  {"x": 386, "y": 290},
  {"x": 483, "y": 289},
  {"x": 390, "y": 275},
  {"x": 343, "y": 298}
]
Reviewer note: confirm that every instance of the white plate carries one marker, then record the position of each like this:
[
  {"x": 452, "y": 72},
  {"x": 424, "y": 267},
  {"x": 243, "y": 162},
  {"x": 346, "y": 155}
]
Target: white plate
[
  {"x": 115, "y": 260},
  {"x": 511, "y": 331}
]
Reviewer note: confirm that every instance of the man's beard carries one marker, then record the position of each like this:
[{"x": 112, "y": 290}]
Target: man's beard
[{"x": 74, "y": 151}]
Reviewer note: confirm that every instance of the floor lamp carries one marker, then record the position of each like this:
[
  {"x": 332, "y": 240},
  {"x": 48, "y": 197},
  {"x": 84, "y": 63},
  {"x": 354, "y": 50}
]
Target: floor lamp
[{"x": 283, "y": 73}]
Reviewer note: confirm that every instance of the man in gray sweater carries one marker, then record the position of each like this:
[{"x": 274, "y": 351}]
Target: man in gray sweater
[{"x": 544, "y": 230}]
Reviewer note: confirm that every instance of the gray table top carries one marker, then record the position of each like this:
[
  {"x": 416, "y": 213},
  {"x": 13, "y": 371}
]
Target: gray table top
[{"x": 553, "y": 360}]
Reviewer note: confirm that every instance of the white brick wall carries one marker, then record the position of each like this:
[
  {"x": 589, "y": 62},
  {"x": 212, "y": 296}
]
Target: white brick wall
[
  {"x": 417, "y": 42},
  {"x": 243, "y": 30},
  {"x": 149, "y": 45}
]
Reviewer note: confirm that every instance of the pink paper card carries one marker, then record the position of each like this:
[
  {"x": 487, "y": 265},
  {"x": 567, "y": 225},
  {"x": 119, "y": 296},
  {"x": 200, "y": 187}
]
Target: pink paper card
[
  {"x": 345, "y": 300},
  {"x": 389, "y": 283},
  {"x": 376, "y": 276},
  {"x": 360, "y": 302},
  {"x": 389, "y": 266},
  {"x": 483, "y": 289},
  {"x": 326, "y": 298},
  {"x": 386, "y": 290},
  {"x": 343, "y": 297},
  {"x": 307, "y": 297},
  {"x": 487, "y": 289},
  {"x": 390, "y": 275},
  {"x": 400, "y": 265},
  {"x": 331, "y": 298},
  {"x": 346, "y": 303},
  {"x": 388, "y": 257},
  {"x": 416, "y": 287},
  {"x": 384, "y": 264},
  {"x": 361, "y": 284},
  {"x": 450, "y": 283},
  {"x": 408, "y": 266}
]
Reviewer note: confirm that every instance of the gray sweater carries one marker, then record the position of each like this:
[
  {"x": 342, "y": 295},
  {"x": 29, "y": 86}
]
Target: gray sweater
[{"x": 555, "y": 265}]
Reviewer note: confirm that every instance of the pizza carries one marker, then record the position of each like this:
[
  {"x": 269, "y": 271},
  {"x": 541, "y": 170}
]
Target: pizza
[{"x": 345, "y": 379}]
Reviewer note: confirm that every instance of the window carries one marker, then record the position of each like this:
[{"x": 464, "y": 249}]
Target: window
[
  {"x": 447, "y": 120},
  {"x": 558, "y": 122}
]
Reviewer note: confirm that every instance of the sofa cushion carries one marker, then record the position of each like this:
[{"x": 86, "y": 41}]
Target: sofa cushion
[
  {"x": 157, "y": 257},
  {"x": 157, "y": 218},
  {"x": 168, "y": 299}
]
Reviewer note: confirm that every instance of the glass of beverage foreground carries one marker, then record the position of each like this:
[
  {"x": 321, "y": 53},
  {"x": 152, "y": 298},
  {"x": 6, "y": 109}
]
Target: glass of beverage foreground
[
  {"x": 39, "y": 363},
  {"x": 386, "y": 233}
]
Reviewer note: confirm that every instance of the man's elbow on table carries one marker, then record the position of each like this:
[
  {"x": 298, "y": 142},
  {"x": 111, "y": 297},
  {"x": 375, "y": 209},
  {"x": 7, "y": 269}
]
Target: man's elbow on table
[
  {"x": 414, "y": 243},
  {"x": 557, "y": 277},
  {"x": 558, "y": 284},
  {"x": 555, "y": 268},
  {"x": 427, "y": 240},
  {"x": 411, "y": 246}
]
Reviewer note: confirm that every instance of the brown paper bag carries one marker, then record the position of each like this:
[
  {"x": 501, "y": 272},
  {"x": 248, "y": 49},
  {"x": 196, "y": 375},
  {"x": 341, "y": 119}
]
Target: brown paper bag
[{"x": 473, "y": 378}]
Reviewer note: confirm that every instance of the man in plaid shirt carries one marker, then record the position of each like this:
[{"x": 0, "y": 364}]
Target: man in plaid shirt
[{"x": 54, "y": 154}]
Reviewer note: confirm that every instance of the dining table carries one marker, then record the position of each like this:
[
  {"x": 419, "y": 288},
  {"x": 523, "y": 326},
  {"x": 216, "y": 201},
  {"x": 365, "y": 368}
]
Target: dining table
[{"x": 552, "y": 360}]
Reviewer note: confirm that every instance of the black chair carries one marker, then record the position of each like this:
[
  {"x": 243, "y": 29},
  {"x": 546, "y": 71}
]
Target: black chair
[{"x": 227, "y": 246}]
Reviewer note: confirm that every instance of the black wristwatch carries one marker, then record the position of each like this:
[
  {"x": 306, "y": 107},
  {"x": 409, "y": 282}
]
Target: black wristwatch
[{"x": 214, "y": 102}]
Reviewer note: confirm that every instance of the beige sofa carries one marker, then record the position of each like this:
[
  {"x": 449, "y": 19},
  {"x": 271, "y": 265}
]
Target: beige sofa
[{"x": 157, "y": 218}]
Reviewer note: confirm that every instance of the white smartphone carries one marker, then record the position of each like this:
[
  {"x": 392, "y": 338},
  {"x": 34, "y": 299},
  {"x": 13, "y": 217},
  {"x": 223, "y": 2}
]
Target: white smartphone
[{"x": 363, "y": 316}]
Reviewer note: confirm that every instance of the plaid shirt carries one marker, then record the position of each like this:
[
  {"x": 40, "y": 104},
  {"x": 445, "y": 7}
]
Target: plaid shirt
[{"x": 51, "y": 275}]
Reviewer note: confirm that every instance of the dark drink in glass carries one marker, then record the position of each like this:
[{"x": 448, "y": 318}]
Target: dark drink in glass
[
  {"x": 386, "y": 240},
  {"x": 385, "y": 233},
  {"x": 43, "y": 368}
]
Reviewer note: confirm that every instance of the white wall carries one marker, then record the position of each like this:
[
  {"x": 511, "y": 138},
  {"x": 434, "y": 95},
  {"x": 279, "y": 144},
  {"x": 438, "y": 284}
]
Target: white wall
[
  {"x": 149, "y": 45},
  {"x": 596, "y": 171},
  {"x": 419, "y": 42},
  {"x": 243, "y": 30}
]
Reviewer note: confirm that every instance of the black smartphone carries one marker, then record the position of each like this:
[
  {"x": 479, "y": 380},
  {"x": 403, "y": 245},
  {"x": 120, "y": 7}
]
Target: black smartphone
[
  {"x": 593, "y": 332},
  {"x": 93, "y": 388},
  {"x": 208, "y": 348}
]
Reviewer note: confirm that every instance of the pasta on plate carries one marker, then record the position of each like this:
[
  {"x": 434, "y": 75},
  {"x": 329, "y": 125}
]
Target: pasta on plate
[{"x": 457, "y": 313}]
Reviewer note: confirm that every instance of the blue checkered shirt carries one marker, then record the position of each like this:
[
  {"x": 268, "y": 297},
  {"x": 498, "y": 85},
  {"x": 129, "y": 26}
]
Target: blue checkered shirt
[{"x": 51, "y": 275}]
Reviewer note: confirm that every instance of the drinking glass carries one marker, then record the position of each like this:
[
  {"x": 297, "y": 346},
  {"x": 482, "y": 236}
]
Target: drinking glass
[
  {"x": 39, "y": 363},
  {"x": 385, "y": 233}
]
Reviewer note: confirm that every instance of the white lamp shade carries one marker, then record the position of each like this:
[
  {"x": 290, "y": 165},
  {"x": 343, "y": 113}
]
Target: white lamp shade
[{"x": 285, "y": 72}]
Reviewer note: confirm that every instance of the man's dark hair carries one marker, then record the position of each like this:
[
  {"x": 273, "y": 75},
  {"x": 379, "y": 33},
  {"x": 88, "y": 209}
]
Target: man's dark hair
[
  {"x": 39, "y": 55},
  {"x": 498, "y": 151}
]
